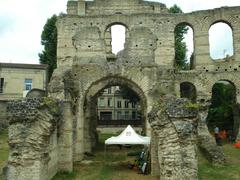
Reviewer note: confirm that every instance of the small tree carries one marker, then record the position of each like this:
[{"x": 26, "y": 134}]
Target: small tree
[{"x": 49, "y": 41}]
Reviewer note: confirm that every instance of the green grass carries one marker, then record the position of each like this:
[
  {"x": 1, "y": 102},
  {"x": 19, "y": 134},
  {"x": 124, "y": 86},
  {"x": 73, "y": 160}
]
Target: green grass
[
  {"x": 114, "y": 165},
  {"x": 230, "y": 171},
  {"x": 3, "y": 150}
]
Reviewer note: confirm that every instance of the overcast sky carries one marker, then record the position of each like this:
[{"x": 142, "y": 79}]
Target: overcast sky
[{"x": 21, "y": 23}]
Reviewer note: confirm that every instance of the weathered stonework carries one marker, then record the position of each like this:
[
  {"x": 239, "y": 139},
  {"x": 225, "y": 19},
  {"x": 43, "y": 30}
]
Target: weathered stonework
[
  {"x": 85, "y": 66},
  {"x": 174, "y": 128},
  {"x": 32, "y": 139}
]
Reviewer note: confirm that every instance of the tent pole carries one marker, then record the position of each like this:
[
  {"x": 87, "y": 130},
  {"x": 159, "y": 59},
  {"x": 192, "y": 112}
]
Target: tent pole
[{"x": 105, "y": 154}]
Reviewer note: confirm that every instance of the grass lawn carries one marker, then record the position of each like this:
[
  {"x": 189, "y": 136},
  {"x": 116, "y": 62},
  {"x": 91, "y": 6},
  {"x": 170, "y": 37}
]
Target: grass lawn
[
  {"x": 114, "y": 166},
  {"x": 3, "y": 150}
]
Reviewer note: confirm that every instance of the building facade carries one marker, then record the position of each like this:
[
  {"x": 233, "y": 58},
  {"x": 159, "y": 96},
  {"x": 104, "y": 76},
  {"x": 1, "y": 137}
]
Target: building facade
[
  {"x": 114, "y": 109},
  {"x": 17, "y": 79}
]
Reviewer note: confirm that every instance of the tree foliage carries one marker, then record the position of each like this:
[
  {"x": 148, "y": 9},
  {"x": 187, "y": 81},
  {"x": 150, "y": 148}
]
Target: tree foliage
[
  {"x": 129, "y": 94},
  {"x": 180, "y": 45},
  {"x": 221, "y": 110},
  {"x": 49, "y": 41}
]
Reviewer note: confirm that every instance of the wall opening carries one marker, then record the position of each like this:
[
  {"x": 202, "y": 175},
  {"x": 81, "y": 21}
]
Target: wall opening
[
  {"x": 115, "y": 38},
  {"x": 223, "y": 112},
  {"x": 220, "y": 41},
  {"x": 109, "y": 107},
  {"x": 184, "y": 47},
  {"x": 188, "y": 90}
]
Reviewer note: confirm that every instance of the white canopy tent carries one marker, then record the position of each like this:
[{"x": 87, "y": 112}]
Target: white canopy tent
[{"x": 128, "y": 136}]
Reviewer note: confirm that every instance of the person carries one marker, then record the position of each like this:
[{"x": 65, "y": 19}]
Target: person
[{"x": 216, "y": 134}]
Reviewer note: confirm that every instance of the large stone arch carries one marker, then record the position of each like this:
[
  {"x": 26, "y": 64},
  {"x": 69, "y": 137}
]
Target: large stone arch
[{"x": 87, "y": 105}]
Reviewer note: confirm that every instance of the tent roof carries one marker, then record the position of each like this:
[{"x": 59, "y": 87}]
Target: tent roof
[{"x": 128, "y": 136}]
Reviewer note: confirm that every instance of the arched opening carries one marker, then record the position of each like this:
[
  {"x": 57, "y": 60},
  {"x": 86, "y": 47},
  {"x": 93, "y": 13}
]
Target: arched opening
[
  {"x": 223, "y": 112},
  {"x": 184, "y": 47},
  {"x": 220, "y": 41},
  {"x": 110, "y": 105},
  {"x": 188, "y": 90},
  {"x": 115, "y": 38}
]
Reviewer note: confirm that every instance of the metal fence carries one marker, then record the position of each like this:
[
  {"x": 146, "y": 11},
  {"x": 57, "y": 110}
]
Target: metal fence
[{"x": 119, "y": 122}]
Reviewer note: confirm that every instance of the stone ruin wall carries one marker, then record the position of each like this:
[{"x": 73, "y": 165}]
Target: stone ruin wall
[
  {"x": 146, "y": 65},
  {"x": 37, "y": 148}
]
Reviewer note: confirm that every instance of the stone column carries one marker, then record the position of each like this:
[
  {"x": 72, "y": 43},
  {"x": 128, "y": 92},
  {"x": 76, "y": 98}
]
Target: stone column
[
  {"x": 79, "y": 133},
  {"x": 236, "y": 41},
  {"x": 202, "y": 55},
  {"x": 65, "y": 153}
]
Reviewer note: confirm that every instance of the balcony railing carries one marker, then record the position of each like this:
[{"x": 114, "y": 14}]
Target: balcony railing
[{"x": 119, "y": 122}]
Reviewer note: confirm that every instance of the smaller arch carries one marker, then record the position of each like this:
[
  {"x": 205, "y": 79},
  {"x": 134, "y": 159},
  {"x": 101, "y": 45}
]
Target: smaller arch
[
  {"x": 115, "y": 35},
  {"x": 223, "y": 110},
  {"x": 221, "y": 43},
  {"x": 188, "y": 90},
  {"x": 116, "y": 23},
  {"x": 185, "y": 23},
  {"x": 221, "y": 21},
  {"x": 184, "y": 46}
]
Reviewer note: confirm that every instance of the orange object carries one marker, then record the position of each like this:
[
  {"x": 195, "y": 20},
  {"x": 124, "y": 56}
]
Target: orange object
[
  {"x": 237, "y": 145},
  {"x": 223, "y": 134}
]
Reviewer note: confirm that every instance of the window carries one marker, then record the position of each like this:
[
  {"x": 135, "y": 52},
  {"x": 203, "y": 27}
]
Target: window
[
  {"x": 220, "y": 41},
  {"x": 28, "y": 84},
  {"x": 119, "y": 104},
  {"x": 119, "y": 115},
  {"x": 1, "y": 85},
  {"x": 126, "y": 115},
  {"x": 109, "y": 102},
  {"x": 126, "y": 104},
  {"x": 134, "y": 115},
  {"x": 101, "y": 102},
  {"x": 115, "y": 37},
  {"x": 109, "y": 90},
  {"x": 133, "y": 105}
]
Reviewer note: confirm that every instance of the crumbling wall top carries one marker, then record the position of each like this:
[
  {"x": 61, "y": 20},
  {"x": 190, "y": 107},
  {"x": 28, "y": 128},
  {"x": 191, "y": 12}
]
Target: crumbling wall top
[{"x": 107, "y": 7}]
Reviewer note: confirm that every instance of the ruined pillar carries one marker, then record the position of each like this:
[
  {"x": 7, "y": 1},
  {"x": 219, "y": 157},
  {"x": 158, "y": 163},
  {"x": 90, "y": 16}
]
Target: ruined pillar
[
  {"x": 32, "y": 139},
  {"x": 174, "y": 124},
  {"x": 65, "y": 153},
  {"x": 201, "y": 47},
  {"x": 206, "y": 142}
]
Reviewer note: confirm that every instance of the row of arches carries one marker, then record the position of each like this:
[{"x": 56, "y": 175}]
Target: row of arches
[
  {"x": 220, "y": 36},
  {"x": 220, "y": 41}
]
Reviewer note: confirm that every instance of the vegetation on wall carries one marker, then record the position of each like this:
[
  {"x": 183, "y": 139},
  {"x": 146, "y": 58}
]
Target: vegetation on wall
[
  {"x": 221, "y": 109},
  {"x": 129, "y": 94}
]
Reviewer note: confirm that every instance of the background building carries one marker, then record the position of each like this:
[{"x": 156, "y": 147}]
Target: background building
[
  {"x": 17, "y": 79},
  {"x": 15, "y": 82},
  {"x": 113, "y": 109}
]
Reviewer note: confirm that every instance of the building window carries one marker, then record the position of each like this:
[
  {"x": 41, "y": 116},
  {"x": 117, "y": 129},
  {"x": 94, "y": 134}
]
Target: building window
[
  {"x": 109, "y": 102},
  {"x": 101, "y": 102},
  {"x": 109, "y": 90},
  {"x": 28, "y": 84},
  {"x": 119, "y": 104},
  {"x": 133, "y": 105},
  {"x": 1, "y": 85},
  {"x": 126, "y": 104},
  {"x": 119, "y": 115},
  {"x": 134, "y": 115},
  {"x": 126, "y": 115}
]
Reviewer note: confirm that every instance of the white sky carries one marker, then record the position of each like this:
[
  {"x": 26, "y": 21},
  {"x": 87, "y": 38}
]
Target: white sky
[{"x": 21, "y": 23}]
